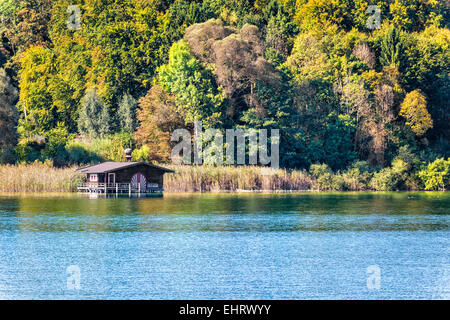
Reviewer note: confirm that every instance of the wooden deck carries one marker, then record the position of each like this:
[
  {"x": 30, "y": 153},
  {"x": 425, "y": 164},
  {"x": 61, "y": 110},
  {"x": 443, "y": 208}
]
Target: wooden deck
[{"x": 118, "y": 188}]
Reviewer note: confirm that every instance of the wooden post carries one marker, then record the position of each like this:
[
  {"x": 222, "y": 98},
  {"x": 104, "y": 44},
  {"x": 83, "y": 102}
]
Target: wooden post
[
  {"x": 129, "y": 189},
  {"x": 117, "y": 189},
  {"x": 139, "y": 188}
]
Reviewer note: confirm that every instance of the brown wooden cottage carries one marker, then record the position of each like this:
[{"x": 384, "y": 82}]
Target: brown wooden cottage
[{"x": 123, "y": 177}]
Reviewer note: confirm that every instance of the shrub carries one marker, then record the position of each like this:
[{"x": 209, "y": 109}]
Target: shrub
[
  {"x": 389, "y": 179},
  {"x": 29, "y": 150},
  {"x": 338, "y": 183},
  {"x": 407, "y": 155},
  {"x": 55, "y": 148},
  {"x": 78, "y": 153},
  {"x": 412, "y": 181},
  {"x": 317, "y": 170},
  {"x": 383, "y": 180},
  {"x": 141, "y": 154},
  {"x": 436, "y": 176},
  {"x": 323, "y": 176},
  {"x": 110, "y": 147},
  {"x": 7, "y": 155},
  {"x": 357, "y": 177}
]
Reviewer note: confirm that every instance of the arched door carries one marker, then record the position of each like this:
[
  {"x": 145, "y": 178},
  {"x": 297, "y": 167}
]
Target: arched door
[{"x": 139, "y": 179}]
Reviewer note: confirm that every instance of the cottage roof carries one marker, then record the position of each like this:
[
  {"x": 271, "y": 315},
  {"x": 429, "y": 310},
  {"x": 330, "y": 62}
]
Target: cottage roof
[{"x": 111, "y": 166}]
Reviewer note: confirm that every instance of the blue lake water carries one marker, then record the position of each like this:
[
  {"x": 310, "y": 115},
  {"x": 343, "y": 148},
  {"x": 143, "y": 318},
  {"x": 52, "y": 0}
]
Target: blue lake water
[{"x": 226, "y": 246}]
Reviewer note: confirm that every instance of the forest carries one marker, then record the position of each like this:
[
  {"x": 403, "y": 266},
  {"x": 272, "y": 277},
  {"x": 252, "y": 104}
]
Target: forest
[{"x": 349, "y": 96}]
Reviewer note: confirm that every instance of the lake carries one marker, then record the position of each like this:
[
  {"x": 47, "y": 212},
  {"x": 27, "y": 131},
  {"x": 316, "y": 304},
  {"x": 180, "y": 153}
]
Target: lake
[{"x": 226, "y": 246}]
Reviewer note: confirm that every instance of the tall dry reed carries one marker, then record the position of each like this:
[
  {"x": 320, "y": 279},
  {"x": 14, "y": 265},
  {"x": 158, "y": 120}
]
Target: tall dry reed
[
  {"x": 227, "y": 178},
  {"x": 38, "y": 177}
]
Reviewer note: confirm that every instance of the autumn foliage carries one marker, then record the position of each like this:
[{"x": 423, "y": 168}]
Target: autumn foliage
[
  {"x": 158, "y": 116},
  {"x": 414, "y": 110}
]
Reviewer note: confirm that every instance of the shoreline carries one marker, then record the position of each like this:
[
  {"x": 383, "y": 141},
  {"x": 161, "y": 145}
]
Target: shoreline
[
  {"x": 199, "y": 193},
  {"x": 39, "y": 177}
]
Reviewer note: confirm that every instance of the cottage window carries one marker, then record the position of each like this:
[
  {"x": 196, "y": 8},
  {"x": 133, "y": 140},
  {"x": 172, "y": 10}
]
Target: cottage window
[{"x": 93, "y": 178}]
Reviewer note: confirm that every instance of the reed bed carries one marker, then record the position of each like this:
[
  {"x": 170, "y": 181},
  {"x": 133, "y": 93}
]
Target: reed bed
[
  {"x": 38, "y": 177},
  {"x": 227, "y": 178}
]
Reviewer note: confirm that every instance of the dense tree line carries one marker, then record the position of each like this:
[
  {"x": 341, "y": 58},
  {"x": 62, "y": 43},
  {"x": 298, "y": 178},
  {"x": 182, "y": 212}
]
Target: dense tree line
[{"x": 135, "y": 70}]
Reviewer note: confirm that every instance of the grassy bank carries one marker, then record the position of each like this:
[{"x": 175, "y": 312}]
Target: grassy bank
[{"x": 38, "y": 177}]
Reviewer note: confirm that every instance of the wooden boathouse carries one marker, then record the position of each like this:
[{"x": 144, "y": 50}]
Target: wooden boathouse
[{"x": 123, "y": 177}]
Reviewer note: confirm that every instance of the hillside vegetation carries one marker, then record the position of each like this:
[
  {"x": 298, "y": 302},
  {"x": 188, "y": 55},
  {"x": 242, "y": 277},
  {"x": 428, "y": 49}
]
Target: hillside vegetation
[{"x": 343, "y": 90}]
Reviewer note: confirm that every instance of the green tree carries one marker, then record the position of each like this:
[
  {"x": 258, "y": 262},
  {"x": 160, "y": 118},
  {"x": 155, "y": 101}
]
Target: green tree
[
  {"x": 36, "y": 100},
  {"x": 272, "y": 109},
  {"x": 127, "y": 113},
  {"x": 55, "y": 148},
  {"x": 427, "y": 69},
  {"x": 117, "y": 50},
  {"x": 314, "y": 57},
  {"x": 391, "y": 47},
  {"x": 93, "y": 120},
  {"x": 8, "y": 114},
  {"x": 46, "y": 94},
  {"x": 184, "y": 14},
  {"x": 338, "y": 142},
  {"x": 414, "y": 15},
  {"x": 311, "y": 14},
  {"x": 280, "y": 32},
  {"x": 24, "y": 23},
  {"x": 193, "y": 86}
]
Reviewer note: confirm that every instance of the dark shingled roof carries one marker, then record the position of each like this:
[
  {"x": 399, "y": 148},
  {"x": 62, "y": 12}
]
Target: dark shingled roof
[{"x": 111, "y": 166}]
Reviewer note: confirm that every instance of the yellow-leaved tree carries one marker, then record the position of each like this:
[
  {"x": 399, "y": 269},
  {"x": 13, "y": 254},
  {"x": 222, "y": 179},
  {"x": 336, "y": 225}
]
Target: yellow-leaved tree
[{"x": 414, "y": 110}]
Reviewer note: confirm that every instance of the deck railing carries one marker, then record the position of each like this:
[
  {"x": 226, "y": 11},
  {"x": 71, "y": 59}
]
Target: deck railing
[{"x": 117, "y": 188}]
